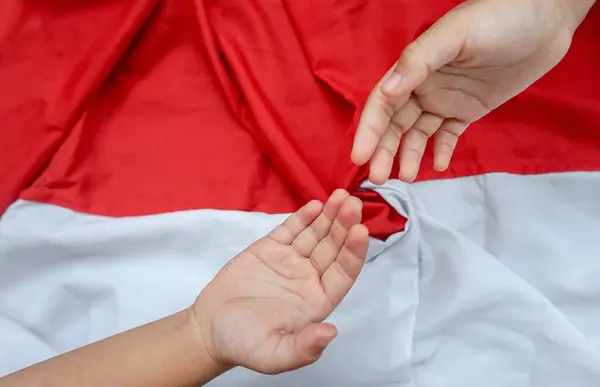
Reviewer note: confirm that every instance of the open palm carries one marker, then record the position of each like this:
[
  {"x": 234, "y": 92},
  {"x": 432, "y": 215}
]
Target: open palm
[
  {"x": 475, "y": 58},
  {"x": 265, "y": 309}
]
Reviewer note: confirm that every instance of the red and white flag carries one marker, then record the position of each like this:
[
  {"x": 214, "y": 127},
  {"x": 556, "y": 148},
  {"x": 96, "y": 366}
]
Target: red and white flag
[{"x": 145, "y": 142}]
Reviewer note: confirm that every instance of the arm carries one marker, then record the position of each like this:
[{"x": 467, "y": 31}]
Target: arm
[
  {"x": 167, "y": 352},
  {"x": 232, "y": 322}
]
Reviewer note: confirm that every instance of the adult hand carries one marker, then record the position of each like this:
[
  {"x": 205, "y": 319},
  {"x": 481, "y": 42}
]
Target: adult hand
[
  {"x": 265, "y": 309},
  {"x": 473, "y": 59}
]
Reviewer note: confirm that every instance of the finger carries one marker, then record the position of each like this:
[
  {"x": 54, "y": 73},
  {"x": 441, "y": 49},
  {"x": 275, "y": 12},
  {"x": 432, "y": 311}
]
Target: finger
[
  {"x": 311, "y": 341},
  {"x": 444, "y": 143},
  {"x": 414, "y": 143},
  {"x": 328, "y": 249},
  {"x": 436, "y": 47},
  {"x": 297, "y": 222},
  {"x": 341, "y": 274},
  {"x": 307, "y": 240},
  {"x": 374, "y": 120},
  {"x": 302, "y": 348},
  {"x": 383, "y": 159},
  {"x": 405, "y": 118}
]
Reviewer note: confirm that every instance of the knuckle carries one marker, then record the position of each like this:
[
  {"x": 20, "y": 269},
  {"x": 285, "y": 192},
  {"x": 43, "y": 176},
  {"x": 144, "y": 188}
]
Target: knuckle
[
  {"x": 420, "y": 133},
  {"x": 447, "y": 140},
  {"x": 387, "y": 107},
  {"x": 398, "y": 128},
  {"x": 414, "y": 111}
]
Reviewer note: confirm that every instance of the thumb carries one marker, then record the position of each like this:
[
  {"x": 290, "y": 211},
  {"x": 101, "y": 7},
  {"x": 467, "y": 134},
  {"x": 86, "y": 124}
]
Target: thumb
[
  {"x": 311, "y": 341},
  {"x": 437, "y": 46},
  {"x": 299, "y": 349}
]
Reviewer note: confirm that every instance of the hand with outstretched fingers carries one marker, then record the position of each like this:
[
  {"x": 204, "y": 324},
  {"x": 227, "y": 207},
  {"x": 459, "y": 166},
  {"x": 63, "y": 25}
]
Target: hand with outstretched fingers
[{"x": 476, "y": 57}]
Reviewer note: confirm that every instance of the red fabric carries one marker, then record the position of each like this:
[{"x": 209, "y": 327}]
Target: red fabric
[{"x": 137, "y": 107}]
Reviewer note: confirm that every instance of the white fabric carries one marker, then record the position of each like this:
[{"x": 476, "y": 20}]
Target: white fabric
[{"x": 494, "y": 283}]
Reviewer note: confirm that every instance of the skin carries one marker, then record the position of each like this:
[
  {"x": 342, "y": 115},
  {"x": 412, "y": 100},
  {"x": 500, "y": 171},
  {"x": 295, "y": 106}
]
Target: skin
[
  {"x": 475, "y": 58},
  {"x": 264, "y": 311}
]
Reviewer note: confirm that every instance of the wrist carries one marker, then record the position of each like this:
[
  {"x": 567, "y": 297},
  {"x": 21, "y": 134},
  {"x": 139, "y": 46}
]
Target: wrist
[{"x": 202, "y": 354}]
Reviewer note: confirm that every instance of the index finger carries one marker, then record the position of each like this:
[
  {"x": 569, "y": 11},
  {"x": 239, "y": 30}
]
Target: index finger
[
  {"x": 297, "y": 222},
  {"x": 375, "y": 118}
]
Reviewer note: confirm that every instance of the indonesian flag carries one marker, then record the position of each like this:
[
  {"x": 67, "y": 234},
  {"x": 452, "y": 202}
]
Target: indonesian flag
[{"x": 143, "y": 143}]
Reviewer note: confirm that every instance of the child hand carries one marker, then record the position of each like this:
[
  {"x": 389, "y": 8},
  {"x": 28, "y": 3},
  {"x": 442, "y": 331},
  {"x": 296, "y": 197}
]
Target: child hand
[{"x": 265, "y": 309}]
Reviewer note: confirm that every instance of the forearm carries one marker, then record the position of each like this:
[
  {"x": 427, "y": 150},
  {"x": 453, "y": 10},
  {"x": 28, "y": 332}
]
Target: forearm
[{"x": 165, "y": 353}]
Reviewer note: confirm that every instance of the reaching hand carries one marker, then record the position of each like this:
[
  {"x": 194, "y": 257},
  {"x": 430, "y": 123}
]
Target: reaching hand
[
  {"x": 475, "y": 58},
  {"x": 265, "y": 309}
]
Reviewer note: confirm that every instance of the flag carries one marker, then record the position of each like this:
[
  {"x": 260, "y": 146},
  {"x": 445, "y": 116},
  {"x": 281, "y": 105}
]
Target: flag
[{"x": 144, "y": 143}]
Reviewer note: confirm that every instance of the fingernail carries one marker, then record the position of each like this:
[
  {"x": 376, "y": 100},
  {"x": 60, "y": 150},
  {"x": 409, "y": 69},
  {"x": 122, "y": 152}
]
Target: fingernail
[{"x": 392, "y": 84}]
